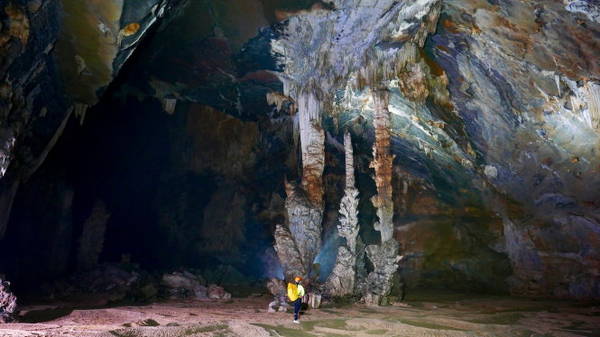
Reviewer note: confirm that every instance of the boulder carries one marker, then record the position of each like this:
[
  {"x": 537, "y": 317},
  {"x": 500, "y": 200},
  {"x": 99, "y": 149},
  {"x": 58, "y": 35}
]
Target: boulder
[
  {"x": 184, "y": 284},
  {"x": 217, "y": 293}
]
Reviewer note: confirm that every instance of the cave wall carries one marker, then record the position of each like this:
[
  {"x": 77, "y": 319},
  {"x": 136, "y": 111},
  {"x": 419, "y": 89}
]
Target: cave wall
[
  {"x": 57, "y": 57},
  {"x": 494, "y": 129}
]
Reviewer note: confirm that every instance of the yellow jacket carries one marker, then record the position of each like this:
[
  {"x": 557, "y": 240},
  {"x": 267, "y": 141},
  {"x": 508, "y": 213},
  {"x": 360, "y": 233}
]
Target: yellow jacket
[{"x": 295, "y": 291}]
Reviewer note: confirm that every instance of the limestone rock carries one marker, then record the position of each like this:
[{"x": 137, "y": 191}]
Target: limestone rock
[
  {"x": 288, "y": 253},
  {"x": 341, "y": 280},
  {"x": 348, "y": 227},
  {"x": 384, "y": 258},
  {"x": 298, "y": 243}
]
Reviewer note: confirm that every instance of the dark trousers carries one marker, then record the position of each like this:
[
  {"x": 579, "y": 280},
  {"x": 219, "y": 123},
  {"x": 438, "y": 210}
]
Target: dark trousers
[{"x": 297, "y": 305}]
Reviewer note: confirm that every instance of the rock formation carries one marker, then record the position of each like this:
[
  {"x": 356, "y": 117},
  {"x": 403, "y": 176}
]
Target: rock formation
[
  {"x": 278, "y": 289},
  {"x": 384, "y": 256},
  {"x": 342, "y": 280},
  {"x": 8, "y": 302},
  {"x": 319, "y": 53}
]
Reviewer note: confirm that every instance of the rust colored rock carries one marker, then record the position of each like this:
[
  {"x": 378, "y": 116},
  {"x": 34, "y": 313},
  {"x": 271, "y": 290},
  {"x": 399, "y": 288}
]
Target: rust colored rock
[
  {"x": 384, "y": 256},
  {"x": 130, "y": 29},
  {"x": 312, "y": 143},
  {"x": 382, "y": 163},
  {"x": 413, "y": 83}
]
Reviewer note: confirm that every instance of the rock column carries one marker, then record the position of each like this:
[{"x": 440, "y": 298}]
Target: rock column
[
  {"x": 298, "y": 243},
  {"x": 384, "y": 257},
  {"x": 342, "y": 280}
]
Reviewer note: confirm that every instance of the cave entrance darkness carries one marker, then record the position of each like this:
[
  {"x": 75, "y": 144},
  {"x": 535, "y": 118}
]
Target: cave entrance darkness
[{"x": 129, "y": 159}]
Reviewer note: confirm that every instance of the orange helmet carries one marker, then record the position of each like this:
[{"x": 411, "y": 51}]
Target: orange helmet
[{"x": 297, "y": 278}]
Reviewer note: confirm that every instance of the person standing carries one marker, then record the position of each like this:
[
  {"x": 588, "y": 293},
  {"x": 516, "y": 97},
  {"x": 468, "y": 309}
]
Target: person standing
[{"x": 295, "y": 294}]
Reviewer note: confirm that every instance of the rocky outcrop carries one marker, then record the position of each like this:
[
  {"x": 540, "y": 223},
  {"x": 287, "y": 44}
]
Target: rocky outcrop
[{"x": 8, "y": 302}]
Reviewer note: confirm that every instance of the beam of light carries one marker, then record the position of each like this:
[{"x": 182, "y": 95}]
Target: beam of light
[
  {"x": 327, "y": 256},
  {"x": 271, "y": 266}
]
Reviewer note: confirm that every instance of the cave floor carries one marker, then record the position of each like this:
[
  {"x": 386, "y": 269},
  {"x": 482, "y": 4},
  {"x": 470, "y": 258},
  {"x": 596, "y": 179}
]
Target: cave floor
[{"x": 431, "y": 315}]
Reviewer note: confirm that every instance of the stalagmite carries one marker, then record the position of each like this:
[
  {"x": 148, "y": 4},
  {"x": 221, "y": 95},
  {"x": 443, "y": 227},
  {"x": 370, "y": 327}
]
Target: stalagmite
[
  {"x": 298, "y": 243},
  {"x": 288, "y": 253},
  {"x": 304, "y": 204},
  {"x": 342, "y": 279},
  {"x": 384, "y": 257}
]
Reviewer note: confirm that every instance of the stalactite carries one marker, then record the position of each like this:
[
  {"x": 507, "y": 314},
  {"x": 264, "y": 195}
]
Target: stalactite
[
  {"x": 312, "y": 143},
  {"x": 384, "y": 257},
  {"x": 342, "y": 280}
]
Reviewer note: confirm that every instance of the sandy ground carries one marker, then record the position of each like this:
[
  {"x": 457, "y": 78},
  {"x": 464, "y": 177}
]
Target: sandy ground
[{"x": 431, "y": 315}]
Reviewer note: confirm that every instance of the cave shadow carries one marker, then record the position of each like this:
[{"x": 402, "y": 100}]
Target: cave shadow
[{"x": 45, "y": 315}]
